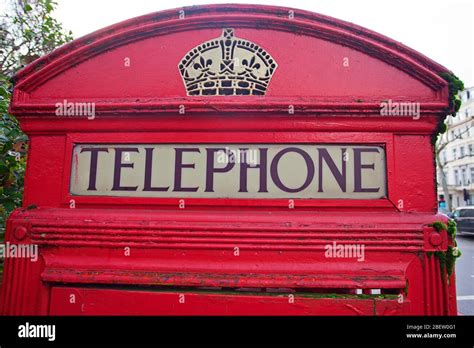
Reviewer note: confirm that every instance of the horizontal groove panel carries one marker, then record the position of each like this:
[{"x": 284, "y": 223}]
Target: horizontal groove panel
[
  {"x": 208, "y": 246},
  {"x": 386, "y": 281},
  {"x": 223, "y": 232},
  {"x": 212, "y": 226},
  {"x": 241, "y": 240},
  {"x": 208, "y": 236}
]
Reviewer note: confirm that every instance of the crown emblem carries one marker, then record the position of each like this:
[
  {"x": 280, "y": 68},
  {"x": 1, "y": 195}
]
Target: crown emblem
[{"x": 227, "y": 65}]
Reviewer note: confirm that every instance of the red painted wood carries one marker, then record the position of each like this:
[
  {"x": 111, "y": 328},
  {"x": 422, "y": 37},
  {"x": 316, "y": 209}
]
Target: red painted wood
[
  {"x": 172, "y": 249},
  {"x": 114, "y": 302}
]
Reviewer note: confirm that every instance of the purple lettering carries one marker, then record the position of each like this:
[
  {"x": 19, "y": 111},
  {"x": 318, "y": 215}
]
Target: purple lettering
[
  {"x": 358, "y": 166},
  {"x": 148, "y": 172},
  {"x": 179, "y": 165},
  {"x": 274, "y": 169},
  {"x": 263, "y": 171},
  {"x": 340, "y": 176},
  {"x": 210, "y": 169},
  {"x": 118, "y": 168},
  {"x": 93, "y": 168}
]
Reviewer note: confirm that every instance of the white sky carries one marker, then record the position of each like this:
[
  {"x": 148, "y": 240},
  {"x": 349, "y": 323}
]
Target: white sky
[{"x": 440, "y": 29}]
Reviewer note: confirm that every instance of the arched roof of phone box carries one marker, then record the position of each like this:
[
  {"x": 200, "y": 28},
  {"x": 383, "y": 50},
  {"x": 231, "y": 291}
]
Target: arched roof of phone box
[{"x": 156, "y": 62}]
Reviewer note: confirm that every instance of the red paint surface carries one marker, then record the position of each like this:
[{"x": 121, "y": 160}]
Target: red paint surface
[{"x": 189, "y": 251}]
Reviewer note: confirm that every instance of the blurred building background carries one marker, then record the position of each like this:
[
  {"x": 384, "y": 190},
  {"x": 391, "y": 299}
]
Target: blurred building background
[{"x": 455, "y": 157}]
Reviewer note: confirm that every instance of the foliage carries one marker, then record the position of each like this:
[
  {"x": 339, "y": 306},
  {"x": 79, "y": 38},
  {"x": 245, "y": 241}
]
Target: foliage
[
  {"x": 452, "y": 228},
  {"x": 439, "y": 226},
  {"x": 27, "y": 31},
  {"x": 12, "y": 162},
  {"x": 455, "y": 86},
  {"x": 441, "y": 141},
  {"x": 447, "y": 259}
]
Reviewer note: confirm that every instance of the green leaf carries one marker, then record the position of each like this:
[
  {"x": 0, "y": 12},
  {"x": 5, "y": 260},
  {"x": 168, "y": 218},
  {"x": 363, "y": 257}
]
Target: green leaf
[
  {"x": 9, "y": 205},
  {"x": 22, "y": 137},
  {"x": 4, "y": 92},
  {"x": 4, "y": 169}
]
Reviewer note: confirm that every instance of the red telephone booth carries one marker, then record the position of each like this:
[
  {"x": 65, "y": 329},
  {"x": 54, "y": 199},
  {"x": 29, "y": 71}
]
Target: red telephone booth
[{"x": 226, "y": 160}]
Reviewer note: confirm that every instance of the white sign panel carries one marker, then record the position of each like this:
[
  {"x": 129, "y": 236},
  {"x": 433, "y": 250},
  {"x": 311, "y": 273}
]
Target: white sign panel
[{"x": 229, "y": 171}]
